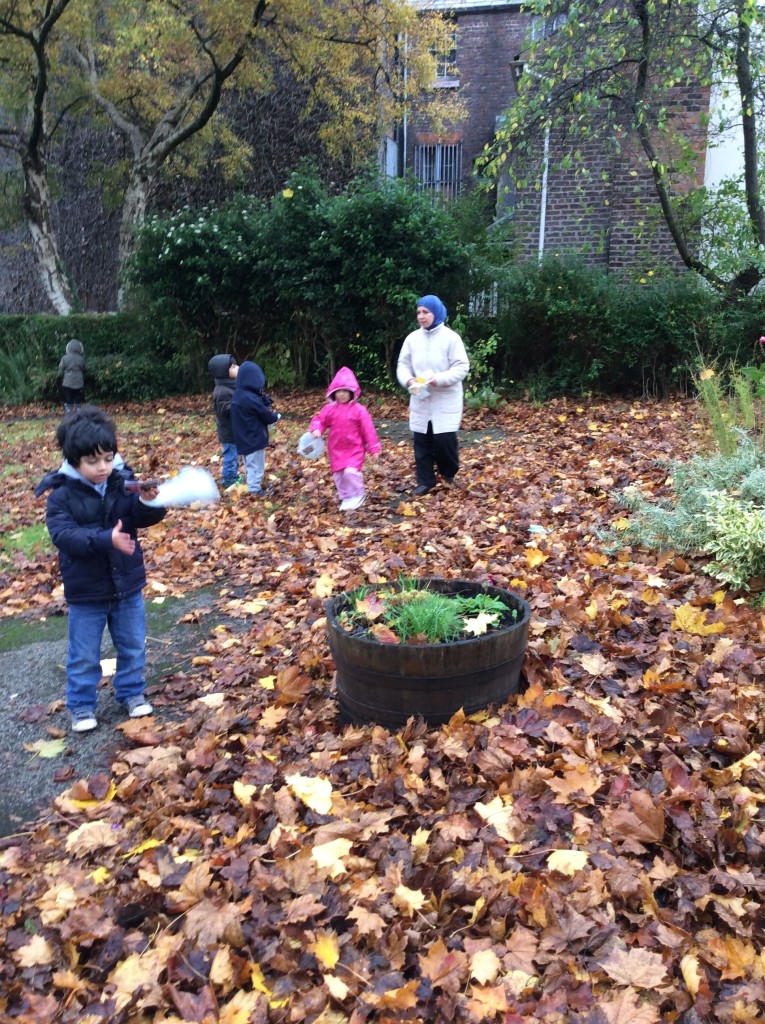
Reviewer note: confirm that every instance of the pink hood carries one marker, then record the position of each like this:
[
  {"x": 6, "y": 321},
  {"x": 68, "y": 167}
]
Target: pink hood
[{"x": 344, "y": 379}]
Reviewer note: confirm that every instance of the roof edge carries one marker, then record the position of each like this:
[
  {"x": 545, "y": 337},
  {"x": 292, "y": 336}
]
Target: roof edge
[{"x": 461, "y": 6}]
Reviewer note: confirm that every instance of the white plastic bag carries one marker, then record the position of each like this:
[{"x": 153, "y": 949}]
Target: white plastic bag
[
  {"x": 419, "y": 386},
  {"x": 310, "y": 447},
  {"x": 191, "y": 485}
]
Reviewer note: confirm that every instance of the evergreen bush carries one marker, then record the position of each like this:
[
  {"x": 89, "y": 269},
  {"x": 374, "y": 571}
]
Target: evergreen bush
[{"x": 128, "y": 356}]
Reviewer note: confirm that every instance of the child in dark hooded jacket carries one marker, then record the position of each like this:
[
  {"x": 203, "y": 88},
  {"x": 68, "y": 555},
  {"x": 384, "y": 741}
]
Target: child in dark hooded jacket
[
  {"x": 224, "y": 370},
  {"x": 352, "y": 436},
  {"x": 251, "y": 416}
]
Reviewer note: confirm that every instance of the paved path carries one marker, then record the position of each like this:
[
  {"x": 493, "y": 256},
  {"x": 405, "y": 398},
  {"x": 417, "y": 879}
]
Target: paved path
[{"x": 32, "y": 688}]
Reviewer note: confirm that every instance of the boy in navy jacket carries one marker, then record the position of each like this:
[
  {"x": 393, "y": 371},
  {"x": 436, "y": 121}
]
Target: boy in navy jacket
[
  {"x": 251, "y": 415},
  {"x": 92, "y": 517}
]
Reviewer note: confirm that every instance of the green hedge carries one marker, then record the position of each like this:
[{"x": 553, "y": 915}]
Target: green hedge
[
  {"x": 561, "y": 329},
  {"x": 128, "y": 356},
  {"x": 564, "y": 328}
]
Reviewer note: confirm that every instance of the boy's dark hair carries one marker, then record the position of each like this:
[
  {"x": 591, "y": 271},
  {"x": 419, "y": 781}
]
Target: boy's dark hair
[{"x": 85, "y": 432}]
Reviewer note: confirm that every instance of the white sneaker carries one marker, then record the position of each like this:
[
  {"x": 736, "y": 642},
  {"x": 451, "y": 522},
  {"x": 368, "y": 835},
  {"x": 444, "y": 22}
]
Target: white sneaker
[
  {"x": 83, "y": 720},
  {"x": 138, "y": 706},
  {"x": 344, "y": 506},
  {"x": 351, "y": 503}
]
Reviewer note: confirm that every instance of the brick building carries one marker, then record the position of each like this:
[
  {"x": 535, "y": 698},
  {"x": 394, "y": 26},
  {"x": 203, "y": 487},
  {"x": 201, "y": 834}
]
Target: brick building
[{"x": 611, "y": 222}]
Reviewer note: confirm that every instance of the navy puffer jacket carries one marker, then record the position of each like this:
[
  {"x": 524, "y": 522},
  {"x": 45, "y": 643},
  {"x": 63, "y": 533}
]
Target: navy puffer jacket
[
  {"x": 80, "y": 523},
  {"x": 251, "y": 411}
]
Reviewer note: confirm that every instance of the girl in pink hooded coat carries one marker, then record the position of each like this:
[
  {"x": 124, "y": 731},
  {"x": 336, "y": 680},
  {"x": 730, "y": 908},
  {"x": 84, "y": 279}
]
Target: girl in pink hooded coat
[{"x": 352, "y": 435}]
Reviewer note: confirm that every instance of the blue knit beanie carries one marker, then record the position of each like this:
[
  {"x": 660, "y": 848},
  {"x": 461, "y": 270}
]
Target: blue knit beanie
[{"x": 434, "y": 305}]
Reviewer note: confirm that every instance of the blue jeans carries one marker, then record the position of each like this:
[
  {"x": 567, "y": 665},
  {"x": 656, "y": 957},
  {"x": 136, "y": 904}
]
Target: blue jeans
[
  {"x": 230, "y": 469},
  {"x": 126, "y": 620}
]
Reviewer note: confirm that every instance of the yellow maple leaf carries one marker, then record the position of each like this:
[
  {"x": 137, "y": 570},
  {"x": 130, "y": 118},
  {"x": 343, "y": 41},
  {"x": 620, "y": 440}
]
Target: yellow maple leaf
[
  {"x": 129, "y": 977},
  {"x": 314, "y": 792},
  {"x": 253, "y": 607},
  {"x": 694, "y": 620},
  {"x": 479, "y": 624},
  {"x": 337, "y": 989},
  {"x": 535, "y": 557},
  {"x": 692, "y": 973},
  {"x": 324, "y": 586},
  {"x": 241, "y": 1008},
  {"x": 268, "y": 682},
  {"x": 420, "y": 838},
  {"x": 707, "y": 374},
  {"x": 326, "y": 949},
  {"x": 244, "y": 792},
  {"x": 734, "y": 957},
  {"x": 147, "y": 844},
  {"x": 409, "y": 901},
  {"x": 46, "y": 748},
  {"x": 259, "y": 984},
  {"x": 567, "y": 862},
  {"x": 500, "y": 817},
  {"x": 36, "y": 953},
  {"x": 331, "y": 855},
  {"x": 485, "y": 965},
  {"x": 595, "y": 558}
]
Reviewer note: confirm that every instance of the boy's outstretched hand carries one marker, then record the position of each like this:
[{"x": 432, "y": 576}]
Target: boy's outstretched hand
[
  {"x": 149, "y": 493},
  {"x": 122, "y": 541}
]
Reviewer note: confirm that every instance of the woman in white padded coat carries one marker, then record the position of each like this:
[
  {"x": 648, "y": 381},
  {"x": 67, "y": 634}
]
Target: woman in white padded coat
[{"x": 432, "y": 365}]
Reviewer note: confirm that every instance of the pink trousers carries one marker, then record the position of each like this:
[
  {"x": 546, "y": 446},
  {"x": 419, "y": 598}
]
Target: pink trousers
[{"x": 349, "y": 483}]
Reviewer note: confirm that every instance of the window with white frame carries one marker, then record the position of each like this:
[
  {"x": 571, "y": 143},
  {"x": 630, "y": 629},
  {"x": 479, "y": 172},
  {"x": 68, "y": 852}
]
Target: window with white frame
[
  {"x": 446, "y": 64},
  {"x": 543, "y": 28},
  {"x": 438, "y": 167}
]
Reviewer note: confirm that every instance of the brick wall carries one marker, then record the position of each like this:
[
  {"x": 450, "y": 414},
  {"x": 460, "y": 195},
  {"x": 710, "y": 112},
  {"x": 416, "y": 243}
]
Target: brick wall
[
  {"x": 486, "y": 43},
  {"x": 612, "y": 221}
]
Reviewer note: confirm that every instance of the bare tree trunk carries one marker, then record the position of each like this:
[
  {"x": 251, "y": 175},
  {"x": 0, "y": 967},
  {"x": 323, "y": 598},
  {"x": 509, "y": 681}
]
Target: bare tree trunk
[
  {"x": 134, "y": 209},
  {"x": 37, "y": 206}
]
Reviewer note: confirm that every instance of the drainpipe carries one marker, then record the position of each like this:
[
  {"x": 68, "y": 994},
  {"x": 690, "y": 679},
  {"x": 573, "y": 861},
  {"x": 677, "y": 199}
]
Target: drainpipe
[
  {"x": 406, "y": 97},
  {"x": 517, "y": 69},
  {"x": 543, "y": 201}
]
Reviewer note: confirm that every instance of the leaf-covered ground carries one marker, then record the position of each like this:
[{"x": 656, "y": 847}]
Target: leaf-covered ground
[{"x": 592, "y": 851}]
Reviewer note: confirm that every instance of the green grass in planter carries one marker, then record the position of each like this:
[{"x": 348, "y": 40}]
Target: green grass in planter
[{"x": 413, "y": 613}]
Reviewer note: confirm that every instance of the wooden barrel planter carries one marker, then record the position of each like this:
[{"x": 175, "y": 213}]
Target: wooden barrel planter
[{"x": 390, "y": 683}]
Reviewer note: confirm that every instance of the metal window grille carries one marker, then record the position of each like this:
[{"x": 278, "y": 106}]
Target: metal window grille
[
  {"x": 484, "y": 303},
  {"x": 438, "y": 168}
]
